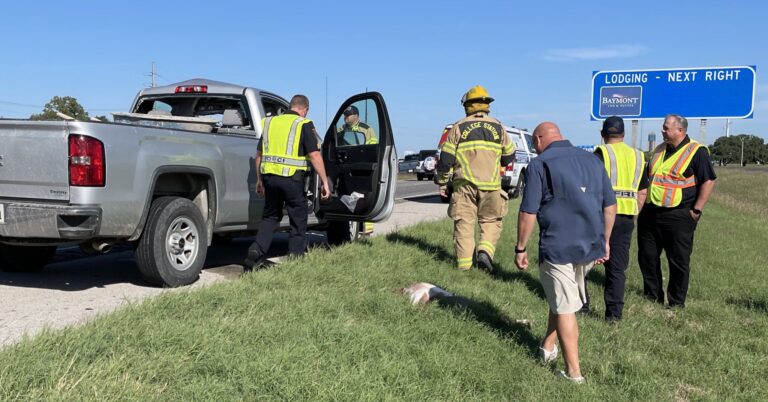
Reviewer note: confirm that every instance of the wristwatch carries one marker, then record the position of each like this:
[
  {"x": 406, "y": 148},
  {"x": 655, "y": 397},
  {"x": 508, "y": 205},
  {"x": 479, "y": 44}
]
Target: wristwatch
[
  {"x": 696, "y": 211},
  {"x": 518, "y": 251}
]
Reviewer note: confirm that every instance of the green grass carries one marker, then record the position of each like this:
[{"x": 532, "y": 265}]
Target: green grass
[{"x": 333, "y": 327}]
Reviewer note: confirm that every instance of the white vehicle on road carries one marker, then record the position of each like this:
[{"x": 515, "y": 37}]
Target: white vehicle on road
[{"x": 514, "y": 174}]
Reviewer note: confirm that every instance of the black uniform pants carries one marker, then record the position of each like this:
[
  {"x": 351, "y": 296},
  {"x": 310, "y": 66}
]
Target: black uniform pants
[
  {"x": 281, "y": 192},
  {"x": 670, "y": 230},
  {"x": 615, "y": 268}
]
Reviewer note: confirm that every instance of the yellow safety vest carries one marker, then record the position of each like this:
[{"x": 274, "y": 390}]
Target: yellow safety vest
[
  {"x": 624, "y": 165},
  {"x": 281, "y": 137},
  {"x": 667, "y": 180}
]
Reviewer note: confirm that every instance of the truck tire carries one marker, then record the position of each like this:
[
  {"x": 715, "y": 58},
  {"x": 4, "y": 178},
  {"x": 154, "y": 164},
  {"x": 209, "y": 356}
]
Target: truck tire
[
  {"x": 172, "y": 250},
  {"x": 419, "y": 176},
  {"x": 518, "y": 189},
  {"x": 25, "y": 258},
  {"x": 340, "y": 232}
]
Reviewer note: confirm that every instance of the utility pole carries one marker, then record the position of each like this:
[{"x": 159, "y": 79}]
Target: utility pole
[
  {"x": 326, "y": 102},
  {"x": 742, "y": 151},
  {"x": 727, "y": 128},
  {"x": 153, "y": 75},
  {"x": 634, "y": 133}
]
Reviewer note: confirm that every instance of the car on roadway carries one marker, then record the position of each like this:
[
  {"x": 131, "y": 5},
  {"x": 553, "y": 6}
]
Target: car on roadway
[
  {"x": 427, "y": 164},
  {"x": 409, "y": 163}
]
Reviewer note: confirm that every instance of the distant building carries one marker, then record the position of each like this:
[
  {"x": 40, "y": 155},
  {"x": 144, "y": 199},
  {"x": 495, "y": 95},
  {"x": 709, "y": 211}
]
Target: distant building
[{"x": 588, "y": 148}]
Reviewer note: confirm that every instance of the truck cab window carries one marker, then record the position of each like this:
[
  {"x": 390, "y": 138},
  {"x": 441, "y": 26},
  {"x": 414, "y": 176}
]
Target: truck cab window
[{"x": 358, "y": 125}]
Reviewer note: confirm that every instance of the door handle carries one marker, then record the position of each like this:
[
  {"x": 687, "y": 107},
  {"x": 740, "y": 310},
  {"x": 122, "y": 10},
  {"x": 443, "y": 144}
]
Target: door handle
[{"x": 341, "y": 156}]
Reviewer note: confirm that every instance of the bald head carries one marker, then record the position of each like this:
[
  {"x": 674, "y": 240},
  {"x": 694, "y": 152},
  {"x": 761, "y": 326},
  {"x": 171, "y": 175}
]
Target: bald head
[{"x": 545, "y": 134}]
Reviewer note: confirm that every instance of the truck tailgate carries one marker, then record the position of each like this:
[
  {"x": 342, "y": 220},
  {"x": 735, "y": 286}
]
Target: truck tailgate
[{"x": 34, "y": 160}]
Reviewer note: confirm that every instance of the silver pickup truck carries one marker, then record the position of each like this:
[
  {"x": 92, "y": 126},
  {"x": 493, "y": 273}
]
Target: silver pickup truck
[{"x": 172, "y": 174}]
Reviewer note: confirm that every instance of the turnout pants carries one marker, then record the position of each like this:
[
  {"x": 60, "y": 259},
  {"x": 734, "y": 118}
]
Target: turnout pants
[
  {"x": 670, "y": 230},
  {"x": 281, "y": 192},
  {"x": 469, "y": 206}
]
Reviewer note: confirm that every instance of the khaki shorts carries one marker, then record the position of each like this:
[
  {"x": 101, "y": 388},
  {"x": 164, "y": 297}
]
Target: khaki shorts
[{"x": 564, "y": 285}]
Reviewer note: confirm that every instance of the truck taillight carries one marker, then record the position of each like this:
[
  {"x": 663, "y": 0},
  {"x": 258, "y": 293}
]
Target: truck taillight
[
  {"x": 86, "y": 161},
  {"x": 192, "y": 89},
  {"x": 510, "y": 167}
]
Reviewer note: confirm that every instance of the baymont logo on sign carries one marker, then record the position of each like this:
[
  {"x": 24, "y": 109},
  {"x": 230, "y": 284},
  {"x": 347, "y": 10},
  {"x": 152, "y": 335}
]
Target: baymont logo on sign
[{"x": 621, "y": 101}]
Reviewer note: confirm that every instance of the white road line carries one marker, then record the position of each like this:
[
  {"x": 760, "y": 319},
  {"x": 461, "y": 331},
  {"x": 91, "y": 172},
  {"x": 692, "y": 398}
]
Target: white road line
[{"x": 432, "y": 193}]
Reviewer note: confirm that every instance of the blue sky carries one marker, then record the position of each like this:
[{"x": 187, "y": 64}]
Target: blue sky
[{"x": 535, "y": 58}]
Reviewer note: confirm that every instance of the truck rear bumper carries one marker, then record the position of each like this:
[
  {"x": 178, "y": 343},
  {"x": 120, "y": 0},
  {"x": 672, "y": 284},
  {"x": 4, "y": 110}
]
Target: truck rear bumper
[{"x": 46, "y": 221}]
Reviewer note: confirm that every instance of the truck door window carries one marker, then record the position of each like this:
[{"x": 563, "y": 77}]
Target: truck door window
[
  {"x": 358, "y": 125},
  {"x": 272, "y": 107}
]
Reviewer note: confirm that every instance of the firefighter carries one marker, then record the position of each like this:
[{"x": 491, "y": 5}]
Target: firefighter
[
  {"x": 625, "y": 167},
  {"x": 475, "y": 148},
  {"x": 289, "y": 145}
]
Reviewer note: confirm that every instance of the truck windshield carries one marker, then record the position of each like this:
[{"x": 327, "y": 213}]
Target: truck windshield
[
  {"x": 529, "y": 140},
  {"x": 193, "y": 105}
]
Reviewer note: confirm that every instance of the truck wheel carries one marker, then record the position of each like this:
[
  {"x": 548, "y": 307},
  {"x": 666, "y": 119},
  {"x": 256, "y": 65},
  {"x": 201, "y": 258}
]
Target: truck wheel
[
  {"x": 419, "y": 176},
  {"x": 25, "y": 258},
  {"x": 172, "y": 250},
  {"x": 340, "y": 232},
  {"x": 518, "y": 190}
]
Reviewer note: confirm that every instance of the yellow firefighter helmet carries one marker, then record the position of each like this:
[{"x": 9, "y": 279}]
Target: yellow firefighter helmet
[{"x": 477, "y": 94}]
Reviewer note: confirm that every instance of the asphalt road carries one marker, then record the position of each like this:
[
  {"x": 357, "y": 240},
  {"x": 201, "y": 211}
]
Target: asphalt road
[
  {"x": 413, "y": 188},
  {"x": 76, "y": 287}
]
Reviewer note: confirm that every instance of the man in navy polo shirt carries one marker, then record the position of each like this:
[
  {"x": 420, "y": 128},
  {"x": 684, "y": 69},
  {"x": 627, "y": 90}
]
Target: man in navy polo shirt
[{"x": 568, "y": 191}]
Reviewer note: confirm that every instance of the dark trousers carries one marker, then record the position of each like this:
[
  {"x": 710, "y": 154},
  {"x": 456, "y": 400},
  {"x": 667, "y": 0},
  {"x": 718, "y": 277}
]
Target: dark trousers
[
  {"x": 281, "y": 192},
  {"x": 670, "y": 230},
  {"x": 615, "y": 268}
]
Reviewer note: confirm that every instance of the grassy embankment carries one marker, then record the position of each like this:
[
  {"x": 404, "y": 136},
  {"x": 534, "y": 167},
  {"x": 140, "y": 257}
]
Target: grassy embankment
[{"x": 331, "y": 327}]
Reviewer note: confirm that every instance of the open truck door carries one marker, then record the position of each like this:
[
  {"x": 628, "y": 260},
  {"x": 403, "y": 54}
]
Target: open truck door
[{"x": 361, "y": 163}]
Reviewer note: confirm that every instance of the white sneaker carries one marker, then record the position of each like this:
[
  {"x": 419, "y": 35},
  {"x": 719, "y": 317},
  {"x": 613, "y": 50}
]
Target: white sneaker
[
  {"x": 548, "y": 356},
  {"x": 577, "y": 380}
]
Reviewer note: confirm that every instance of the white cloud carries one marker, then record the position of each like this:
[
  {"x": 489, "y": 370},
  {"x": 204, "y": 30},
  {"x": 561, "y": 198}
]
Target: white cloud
[{"x": 594, "y": 53}]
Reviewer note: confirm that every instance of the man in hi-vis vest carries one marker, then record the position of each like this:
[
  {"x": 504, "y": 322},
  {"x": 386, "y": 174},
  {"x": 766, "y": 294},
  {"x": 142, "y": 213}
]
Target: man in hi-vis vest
[
  {"x": 681, "y": 178},
  {"x": 289, "y": 144},
  {"x": 625, "y": 167}
]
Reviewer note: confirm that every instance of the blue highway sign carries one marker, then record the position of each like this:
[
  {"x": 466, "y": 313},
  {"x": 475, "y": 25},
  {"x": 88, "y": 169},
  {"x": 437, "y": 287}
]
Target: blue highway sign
[{"x": 695, "y": 93}]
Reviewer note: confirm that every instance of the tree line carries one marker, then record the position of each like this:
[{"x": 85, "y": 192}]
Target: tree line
[
  {"x": 727, "y": 150},
  {"x": 64, "y": 105}
]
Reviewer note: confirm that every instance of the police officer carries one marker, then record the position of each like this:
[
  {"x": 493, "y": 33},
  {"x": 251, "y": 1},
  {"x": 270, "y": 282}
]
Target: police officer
[
  {"x": 475, "y": 148},
  {"x": 352, "y": 130},
  {"x": 681, "y": 179},
  {"x": 625, "y": 167},
  {"x": 355, "y": 132},
  {"x": 289, "y": 144}
]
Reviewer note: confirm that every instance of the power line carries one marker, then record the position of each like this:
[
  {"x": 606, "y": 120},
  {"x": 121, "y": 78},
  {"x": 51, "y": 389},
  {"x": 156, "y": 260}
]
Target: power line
[{"x": 19, "y": 104}]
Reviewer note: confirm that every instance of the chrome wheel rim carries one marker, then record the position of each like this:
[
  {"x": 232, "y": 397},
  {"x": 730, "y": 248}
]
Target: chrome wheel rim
[{"x": 182, "y": 243}]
